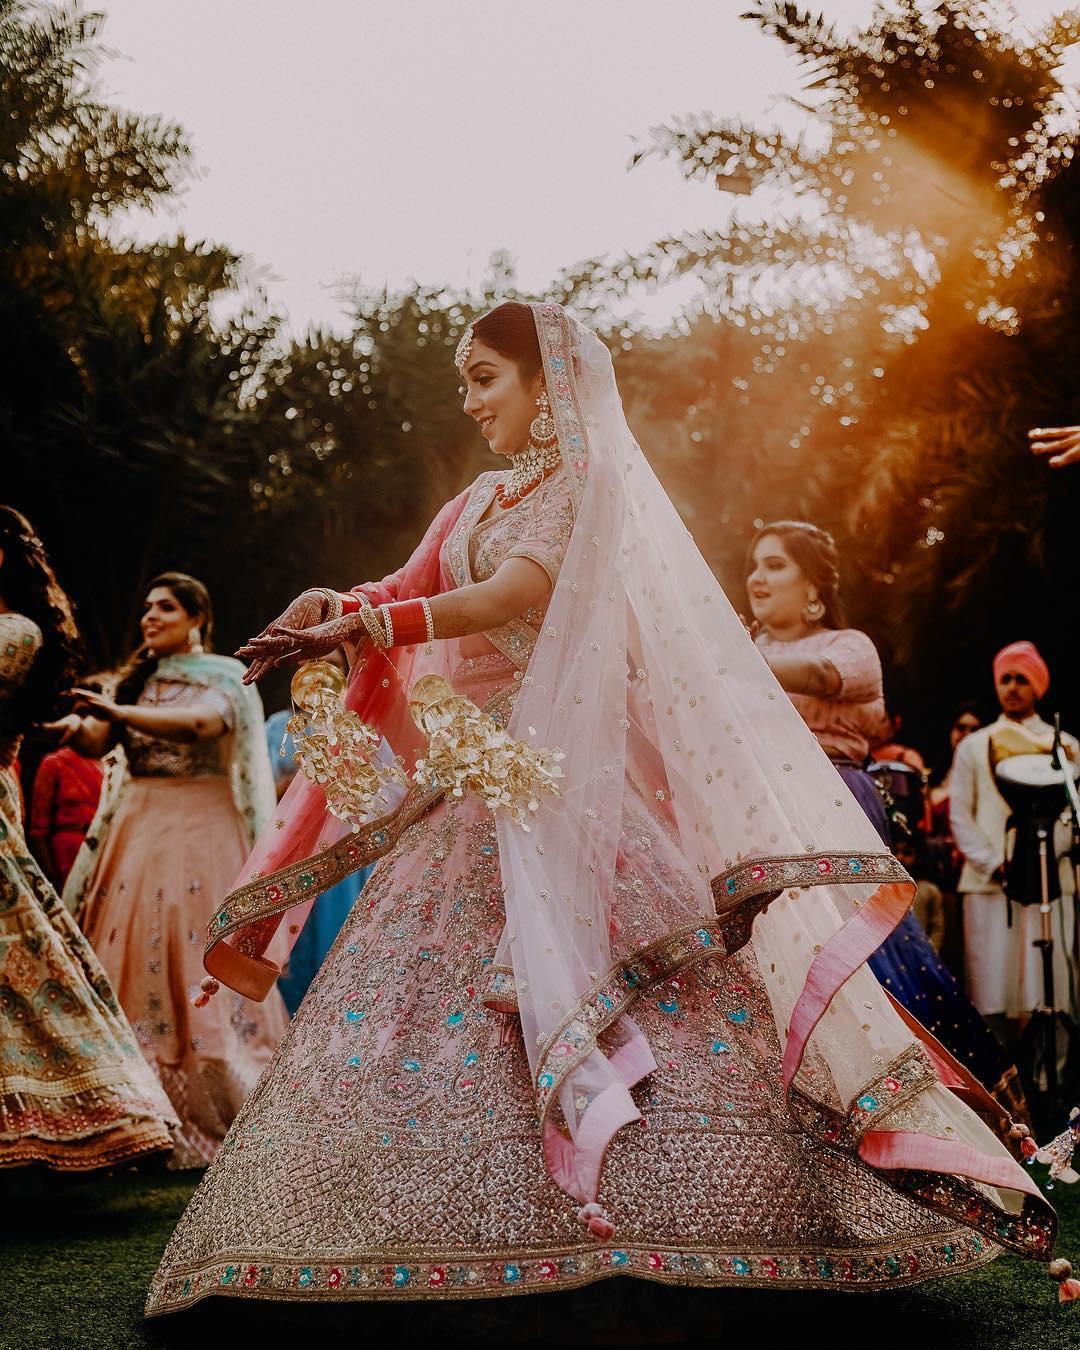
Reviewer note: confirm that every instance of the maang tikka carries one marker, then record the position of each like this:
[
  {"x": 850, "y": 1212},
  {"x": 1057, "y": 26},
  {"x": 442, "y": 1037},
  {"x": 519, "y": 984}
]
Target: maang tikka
[{"x": 464, "y": 347}]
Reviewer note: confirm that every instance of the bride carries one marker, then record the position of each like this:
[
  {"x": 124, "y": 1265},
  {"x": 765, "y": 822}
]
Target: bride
[{"x": 628, "y": 1032}]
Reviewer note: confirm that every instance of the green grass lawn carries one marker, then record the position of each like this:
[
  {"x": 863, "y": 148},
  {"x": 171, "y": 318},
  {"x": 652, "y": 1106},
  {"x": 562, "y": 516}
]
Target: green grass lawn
[{"x": 77, "y": 1255}]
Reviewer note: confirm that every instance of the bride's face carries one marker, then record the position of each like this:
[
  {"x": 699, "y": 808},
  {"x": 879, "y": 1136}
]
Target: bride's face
[{"x": 501, "y": 402}]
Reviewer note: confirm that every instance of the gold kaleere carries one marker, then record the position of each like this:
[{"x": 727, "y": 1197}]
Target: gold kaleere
[
  {"x": 337, "y": 751},
  {"x": 468, "y": 752}
]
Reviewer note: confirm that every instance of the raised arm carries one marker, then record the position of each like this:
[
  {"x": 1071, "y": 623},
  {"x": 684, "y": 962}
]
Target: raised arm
[
  {"x": 806, "y": 675},
  {"x": 94, "y": 733},
  {"x": 320, "y": 606}
]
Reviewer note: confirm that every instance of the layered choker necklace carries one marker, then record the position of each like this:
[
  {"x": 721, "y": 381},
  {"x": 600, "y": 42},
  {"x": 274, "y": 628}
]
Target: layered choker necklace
[
  {"x": 528, "y": 469},
  {"x": 539, "y": 460}
]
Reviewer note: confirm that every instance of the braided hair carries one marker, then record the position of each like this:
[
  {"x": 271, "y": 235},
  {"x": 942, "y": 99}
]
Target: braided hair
[
  {"x": 29, "y": 587},
  {"x": 814, "y": 552}
]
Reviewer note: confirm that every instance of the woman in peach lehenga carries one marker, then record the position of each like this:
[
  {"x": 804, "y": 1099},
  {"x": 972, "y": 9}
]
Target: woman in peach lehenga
[
  {"x": 536, "y": 1058},
  {"x": 169, "y": 835}
]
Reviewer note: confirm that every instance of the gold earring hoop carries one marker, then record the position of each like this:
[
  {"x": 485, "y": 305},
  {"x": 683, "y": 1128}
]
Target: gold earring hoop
[
  {"x": 542, "y": 430},
  {"x": 814, "y": 609}
]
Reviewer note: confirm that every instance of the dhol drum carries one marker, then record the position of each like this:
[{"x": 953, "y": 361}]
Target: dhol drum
[{"x": 1035, "y": 790}]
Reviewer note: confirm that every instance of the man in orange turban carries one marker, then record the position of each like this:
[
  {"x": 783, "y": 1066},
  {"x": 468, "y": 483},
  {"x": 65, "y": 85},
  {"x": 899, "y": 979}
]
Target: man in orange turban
[{"x": 1002, "y": 967}]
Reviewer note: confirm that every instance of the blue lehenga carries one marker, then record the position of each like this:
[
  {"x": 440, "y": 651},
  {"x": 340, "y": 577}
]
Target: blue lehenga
[
  {"x": 912, "y": 971},
  {"x": 331, "y": 909}
]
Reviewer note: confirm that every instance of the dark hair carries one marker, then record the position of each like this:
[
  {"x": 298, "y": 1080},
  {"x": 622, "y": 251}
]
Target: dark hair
[
  {"x": 510, "y": 330},
  {"x": 814, "y": 552},
  {"x": 194, "y": 599},
  {"x": 966, "y": 709},
  {"x": 29, "y": 587}
]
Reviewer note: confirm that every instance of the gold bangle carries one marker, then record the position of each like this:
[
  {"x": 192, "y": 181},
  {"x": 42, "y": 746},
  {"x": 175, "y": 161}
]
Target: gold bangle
[
  {"x": 334, "y": 604},
  {"x": 373, "y": 623},
  {"x": 428, "y": 620},
  {"x": 384, "y": 614}
]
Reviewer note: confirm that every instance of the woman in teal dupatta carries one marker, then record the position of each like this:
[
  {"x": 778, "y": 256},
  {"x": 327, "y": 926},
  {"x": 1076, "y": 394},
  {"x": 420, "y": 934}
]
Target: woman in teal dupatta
[{"x": 189, "y": 787}]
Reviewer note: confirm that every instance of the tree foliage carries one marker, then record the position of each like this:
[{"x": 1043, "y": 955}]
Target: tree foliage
[{"x": 871, "y": 356}]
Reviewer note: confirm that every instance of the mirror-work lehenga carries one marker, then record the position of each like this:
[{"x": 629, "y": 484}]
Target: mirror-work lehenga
[
  {"x": 75, "y": 1092},
  {"x": 638, "y": 1039}
]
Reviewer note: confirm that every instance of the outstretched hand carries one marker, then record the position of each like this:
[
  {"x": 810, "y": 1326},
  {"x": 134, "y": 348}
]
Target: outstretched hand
[
  {"x": 308, "y": 644},
  {"x": 276, "y": 644},
  {"x": 1062, "y": 444}
]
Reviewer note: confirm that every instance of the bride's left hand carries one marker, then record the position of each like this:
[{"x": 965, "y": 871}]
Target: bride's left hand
[{"x": 309, "y": 644}]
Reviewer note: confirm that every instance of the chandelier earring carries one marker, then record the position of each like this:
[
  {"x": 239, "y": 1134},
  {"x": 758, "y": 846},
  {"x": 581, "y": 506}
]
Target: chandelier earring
[
  {"x": 542, "y": 430},
  {"x": 194, "y": 638},
  {"x": 814, "y": 609},
  {"x": 539, "y": 460}
]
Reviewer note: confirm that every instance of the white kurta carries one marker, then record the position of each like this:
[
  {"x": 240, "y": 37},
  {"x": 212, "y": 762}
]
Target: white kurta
[{"x": 1002, "y": 967}]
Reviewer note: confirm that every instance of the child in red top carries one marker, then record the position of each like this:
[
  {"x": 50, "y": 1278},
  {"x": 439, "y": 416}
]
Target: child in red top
[{"x": 65, "y": 797}]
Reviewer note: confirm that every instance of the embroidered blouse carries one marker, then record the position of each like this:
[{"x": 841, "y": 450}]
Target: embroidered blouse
[
  {"x": 20, "y": 642},
  {"x": 155, "y": 757},
  {"x": 849, "y": 722},
  {"x": 538, "y": 527}
]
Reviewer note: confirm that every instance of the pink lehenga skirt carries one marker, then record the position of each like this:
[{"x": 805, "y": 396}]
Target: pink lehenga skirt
[
  {"x": 391, "y": 1149},
  {"x": 175, "y": 846}
]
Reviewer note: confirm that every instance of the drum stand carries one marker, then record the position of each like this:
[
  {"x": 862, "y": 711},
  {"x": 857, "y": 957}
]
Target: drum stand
[{"x": 1039, "y": 1039}]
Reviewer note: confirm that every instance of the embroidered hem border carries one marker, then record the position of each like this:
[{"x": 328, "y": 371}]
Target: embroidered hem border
[
  {"x": 428, "y": 1276},
  {"x": 741, "y": 893}
]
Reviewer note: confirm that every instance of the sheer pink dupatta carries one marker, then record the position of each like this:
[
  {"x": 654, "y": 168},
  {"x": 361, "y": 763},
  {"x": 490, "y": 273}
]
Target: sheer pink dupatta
[
  {"x": 646, "y": 678},
  {"x": 246, "y": 946}
]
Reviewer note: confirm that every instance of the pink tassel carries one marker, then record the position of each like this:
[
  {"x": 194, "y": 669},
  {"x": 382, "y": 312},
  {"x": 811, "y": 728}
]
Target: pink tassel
[
  {"x": 596, "y": 1221},
  {"x": 1068, "y": 1288},
  {"x": 1028, "y": 1147},
  {"x": 209, "y": 988}
]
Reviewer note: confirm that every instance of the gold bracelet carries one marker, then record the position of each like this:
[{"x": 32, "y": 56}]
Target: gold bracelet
[
  {"x": 373, "y": 623},
  {"x": 428, "y": 619},
  {"x": 384, "y": 614},
  {"x": 334, "y": 604}
]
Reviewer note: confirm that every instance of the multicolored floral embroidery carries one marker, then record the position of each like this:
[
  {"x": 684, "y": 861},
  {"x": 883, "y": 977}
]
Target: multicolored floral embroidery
[{"x": 451, "y": 1279}]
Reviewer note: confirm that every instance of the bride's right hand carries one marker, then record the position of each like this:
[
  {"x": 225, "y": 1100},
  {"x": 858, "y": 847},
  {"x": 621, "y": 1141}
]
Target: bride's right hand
[{"x": 266, "y": 649}]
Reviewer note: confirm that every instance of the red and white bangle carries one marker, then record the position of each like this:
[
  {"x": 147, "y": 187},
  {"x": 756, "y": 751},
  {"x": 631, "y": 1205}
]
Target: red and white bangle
[
  {"x": 428, "y": 620},
  {"x": 407, "y": 622},
  {"x": 350, "y": 602}
]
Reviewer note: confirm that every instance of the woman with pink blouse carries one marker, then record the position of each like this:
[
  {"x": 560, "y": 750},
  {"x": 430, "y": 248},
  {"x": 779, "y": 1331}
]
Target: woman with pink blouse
[{"x": 832, "y": 674}]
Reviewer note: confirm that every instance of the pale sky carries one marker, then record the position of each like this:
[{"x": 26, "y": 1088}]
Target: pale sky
[{"x": 412, "y": 138}]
